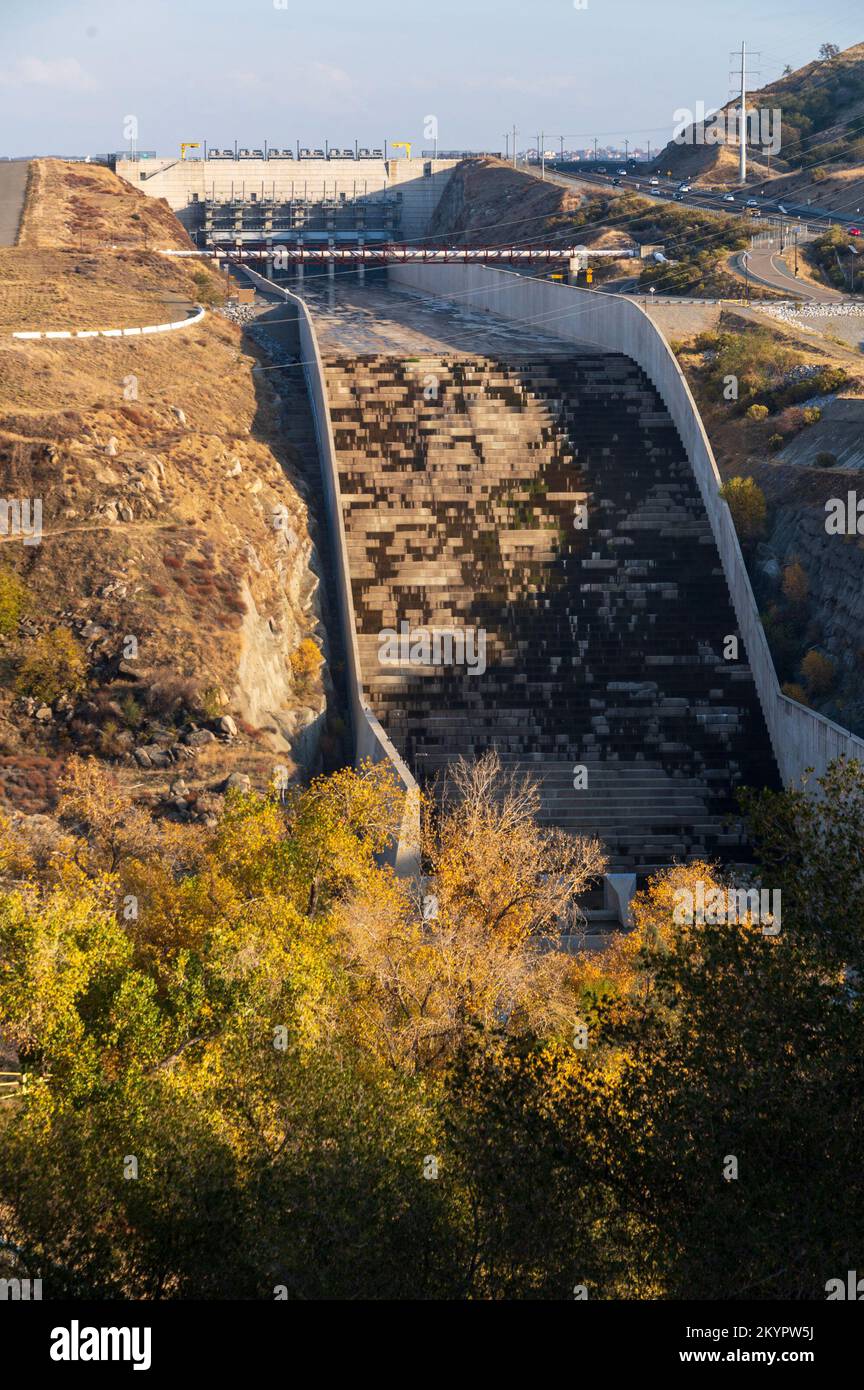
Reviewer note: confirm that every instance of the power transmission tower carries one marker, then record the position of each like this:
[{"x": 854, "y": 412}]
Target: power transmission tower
[{"x": 741, "y": 75}]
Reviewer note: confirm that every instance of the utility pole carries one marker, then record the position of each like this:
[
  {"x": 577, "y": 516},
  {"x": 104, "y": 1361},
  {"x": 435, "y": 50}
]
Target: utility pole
[
  {"x": 626, "y": 149},
  {"x": 506, "y": 144},
  {"x": 649, "y": 149},
  {"x": 561, "y": 138},
  {"x": 595, "y": 149},
  {"x": 514, "y": 147},
  {"x": 742, "y": 130}
]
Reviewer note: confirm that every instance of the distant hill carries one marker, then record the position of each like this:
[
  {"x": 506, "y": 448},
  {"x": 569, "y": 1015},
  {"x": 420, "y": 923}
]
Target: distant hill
[{"x": 822, "y": 124}]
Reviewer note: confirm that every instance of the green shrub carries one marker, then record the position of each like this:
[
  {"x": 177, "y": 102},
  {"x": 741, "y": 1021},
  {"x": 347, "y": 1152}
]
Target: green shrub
[
  {"x": 825, "y": 459},
  {"x": 757, "y": 412},
  {"x": 53, "y": 665},
  {"x": 207, "y": 290},
  {"x": 812, "y": 414},
  {"x": 133, "y": 714},
  {"x": 14, "y": 601},
  {"x": 747, "y": 504}
]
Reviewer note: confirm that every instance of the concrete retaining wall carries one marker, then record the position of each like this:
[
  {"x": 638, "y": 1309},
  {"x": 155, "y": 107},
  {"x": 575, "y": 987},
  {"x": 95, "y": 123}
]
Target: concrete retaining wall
[
  {"x": 371, "y": 743},
  {"x": 800, "y": 737},
  {"x": 60, "y": 333}
]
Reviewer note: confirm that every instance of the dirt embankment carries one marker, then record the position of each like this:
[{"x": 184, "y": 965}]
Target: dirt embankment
[
  {"x": 489, "y": 203},
  {"x": 808, "y": 580},
  {"x": 175, "y": 544}
]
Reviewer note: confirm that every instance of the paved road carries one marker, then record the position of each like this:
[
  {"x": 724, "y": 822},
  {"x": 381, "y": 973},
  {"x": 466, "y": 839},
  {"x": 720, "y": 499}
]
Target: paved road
[
  {"x": 769, "y": 267},
  {"x": 707, "y": 200},
  {"x": 13, "y": 182}
]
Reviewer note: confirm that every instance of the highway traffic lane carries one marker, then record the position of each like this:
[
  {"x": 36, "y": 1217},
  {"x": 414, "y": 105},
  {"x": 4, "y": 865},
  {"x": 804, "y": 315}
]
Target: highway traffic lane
[{"x": 13, "y": 184}]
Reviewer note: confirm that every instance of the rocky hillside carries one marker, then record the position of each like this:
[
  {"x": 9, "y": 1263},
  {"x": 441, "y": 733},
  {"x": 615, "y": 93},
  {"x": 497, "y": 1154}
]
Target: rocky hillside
[
  {"x": 821, "y": 107},
  {"x": 166, "y": 617},
  {"x": 489, "y": 203},
  {"x": 795, "y": 429}
]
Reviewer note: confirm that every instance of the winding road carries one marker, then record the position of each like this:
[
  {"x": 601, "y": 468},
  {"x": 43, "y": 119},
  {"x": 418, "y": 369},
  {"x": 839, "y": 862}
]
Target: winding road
[{"x": 768, "y": 267}]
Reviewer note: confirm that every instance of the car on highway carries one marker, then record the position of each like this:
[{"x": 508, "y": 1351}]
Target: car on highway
[
  {"x": 621, "y": 171},
  {"x": 655, "y": 183},
  {"x": 728, "y": 197},
  {"x": 854, "y": 231},
  {"x": 752, "y": 203},
  {"x": 683, "y": 188},
  {"x": 616, "y": 183}
]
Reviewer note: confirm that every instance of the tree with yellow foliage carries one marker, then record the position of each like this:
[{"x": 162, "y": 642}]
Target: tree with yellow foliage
[{"x": 480, "y": 952}]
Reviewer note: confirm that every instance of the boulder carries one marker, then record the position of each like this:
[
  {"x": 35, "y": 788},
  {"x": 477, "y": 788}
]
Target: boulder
[
  {"x": 197, "y": 738},
  {"x": 238, "y": 781}
]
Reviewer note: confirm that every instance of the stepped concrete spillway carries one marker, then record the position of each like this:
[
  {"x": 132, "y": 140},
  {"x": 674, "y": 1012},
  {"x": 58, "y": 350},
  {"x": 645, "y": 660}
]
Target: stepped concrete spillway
[{"x": 536, "y": 498}]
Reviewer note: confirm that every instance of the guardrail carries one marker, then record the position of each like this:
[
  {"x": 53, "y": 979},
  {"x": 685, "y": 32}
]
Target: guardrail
[
  {"x": 371, "y": 743},
  {"x": 801, "y": 738},
  {"x": 59, "y": 334}
]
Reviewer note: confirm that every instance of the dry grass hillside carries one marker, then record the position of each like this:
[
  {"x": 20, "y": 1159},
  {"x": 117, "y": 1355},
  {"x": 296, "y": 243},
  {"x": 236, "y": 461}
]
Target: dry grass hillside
[
  {"x": 174, "y": 579},
  {"x": 87, "y": 208},
  {"x": 489, "y": 203},
  {"x": 821, "y": 130}
]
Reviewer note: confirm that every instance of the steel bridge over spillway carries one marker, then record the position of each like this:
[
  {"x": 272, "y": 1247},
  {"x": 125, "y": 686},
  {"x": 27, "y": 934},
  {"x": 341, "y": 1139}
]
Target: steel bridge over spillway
[{"x": 395, "y": 254}]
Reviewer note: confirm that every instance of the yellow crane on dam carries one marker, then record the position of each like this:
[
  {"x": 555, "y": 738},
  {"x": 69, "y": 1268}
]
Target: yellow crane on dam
[
  {"x": 189, "y": 145},
  {"x": 402, "y": 145}
]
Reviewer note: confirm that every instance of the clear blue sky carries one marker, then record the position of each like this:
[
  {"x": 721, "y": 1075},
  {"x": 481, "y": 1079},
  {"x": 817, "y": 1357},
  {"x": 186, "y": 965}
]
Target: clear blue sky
[{"x": 71, "y": 70}]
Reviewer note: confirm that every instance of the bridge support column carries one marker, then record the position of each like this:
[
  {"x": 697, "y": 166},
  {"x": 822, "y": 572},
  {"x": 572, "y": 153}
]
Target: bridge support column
[{"x": 618, "y": 890}]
